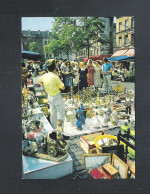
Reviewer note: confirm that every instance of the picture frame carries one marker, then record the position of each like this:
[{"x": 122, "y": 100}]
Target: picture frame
[
  {"x": 91, "y": 161},
  {"x": 119, "y": 165}
]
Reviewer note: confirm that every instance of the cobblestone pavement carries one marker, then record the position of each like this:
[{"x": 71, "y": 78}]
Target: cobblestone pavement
[{"x": 76, "y": 151}]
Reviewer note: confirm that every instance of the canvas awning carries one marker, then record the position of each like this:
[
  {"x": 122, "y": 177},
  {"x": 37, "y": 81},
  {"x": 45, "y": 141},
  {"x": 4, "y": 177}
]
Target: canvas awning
[
  {"x": 119, "y": 53},
  {"x": 121, "y": 58},
  {"x": 130, "y": 52},
  {"x": 96, "y": 57},
  {"x": 30, "y": 55}
]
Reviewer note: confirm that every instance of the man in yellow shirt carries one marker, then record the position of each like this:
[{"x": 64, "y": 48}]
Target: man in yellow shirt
[{"x": 53, "y": 84}]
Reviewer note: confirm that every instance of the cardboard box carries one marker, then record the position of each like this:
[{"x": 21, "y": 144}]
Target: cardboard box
[
  {"x": 87, "y": 142},
  {"x": 111, "y": 170}
]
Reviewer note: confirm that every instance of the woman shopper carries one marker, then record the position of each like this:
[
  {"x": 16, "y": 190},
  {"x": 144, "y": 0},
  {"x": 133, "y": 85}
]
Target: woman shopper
[
  {"x": 75, "y": 77},
  {"x": 97, "y": 75},
  {"x": 67, "y": 70},
  {"x": 83, "y": 73},
  {"x": 90, "y": 73}
]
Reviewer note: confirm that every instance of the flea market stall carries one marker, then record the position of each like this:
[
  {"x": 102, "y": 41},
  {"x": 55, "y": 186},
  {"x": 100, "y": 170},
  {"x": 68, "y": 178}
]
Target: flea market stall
[
  {"x": 124, "y": 65},
  {"x": 90, "y": 114},
  {"x": 39, "y": 149}
]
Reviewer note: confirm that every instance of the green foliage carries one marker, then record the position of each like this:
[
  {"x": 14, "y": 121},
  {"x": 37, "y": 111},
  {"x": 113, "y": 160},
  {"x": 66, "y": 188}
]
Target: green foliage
[
  {"x": 129, "y": 76},
  {"x": 34, "y": 47},
  {"x": 72, "y": 34},
  {"x": 90, "y": 29}
]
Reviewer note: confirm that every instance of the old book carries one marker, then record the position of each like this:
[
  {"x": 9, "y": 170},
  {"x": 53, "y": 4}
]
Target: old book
[
  {"x": 106, "y": 175},
  {"x": 111, "y": 170},
  {"x": 96, "y": 174}
]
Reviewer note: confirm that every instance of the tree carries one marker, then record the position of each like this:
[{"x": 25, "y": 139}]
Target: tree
[
  {"x": 33, "y": 47},
  {"x": 72, "y": 34},
  {"x": 46, "y": 51},
  {"x": 62, "y": 34},
  {"x": 90, "y": 29},
  {"x": 67, "y": 32},
  {"x": 54, "y": 47}
]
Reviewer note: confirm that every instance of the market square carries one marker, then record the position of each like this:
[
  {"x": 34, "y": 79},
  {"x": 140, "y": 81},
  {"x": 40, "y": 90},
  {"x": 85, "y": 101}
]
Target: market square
[{"x": 78, "y": 100}]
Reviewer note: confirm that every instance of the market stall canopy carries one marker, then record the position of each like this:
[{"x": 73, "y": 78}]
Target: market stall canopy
[
  {"x": 31, "y": 55},
  {"x": 96, "y": 57},
  {"x": 121, "y": 58},
  {"x": 130, "y": 52},
  {"x": 119, "y": 53}
]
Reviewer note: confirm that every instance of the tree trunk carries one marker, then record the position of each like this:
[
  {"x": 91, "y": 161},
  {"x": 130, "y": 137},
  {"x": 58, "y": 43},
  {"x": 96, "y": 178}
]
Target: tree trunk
[
  {"x": 76, "y": 55},
  {"x": 67, "y": 54},
  {"x": 88, "y": 49}
]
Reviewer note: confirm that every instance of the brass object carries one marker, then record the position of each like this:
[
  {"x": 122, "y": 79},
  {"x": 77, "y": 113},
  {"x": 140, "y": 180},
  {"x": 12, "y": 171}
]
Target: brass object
[{"x": 119, "y": 89}]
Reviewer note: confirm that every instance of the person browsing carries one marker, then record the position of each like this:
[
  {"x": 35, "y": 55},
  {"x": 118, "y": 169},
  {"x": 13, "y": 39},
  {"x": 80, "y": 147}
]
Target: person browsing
[
  {"x": 107, "y": 70},
  {"x": 53, "y": 84}
]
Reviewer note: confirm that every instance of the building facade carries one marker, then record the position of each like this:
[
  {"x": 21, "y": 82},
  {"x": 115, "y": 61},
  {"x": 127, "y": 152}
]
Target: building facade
[
  {"x": 98, "y": 48},
  {"x": 42, "y": 38},
  {"x": 125, "y": 32}
]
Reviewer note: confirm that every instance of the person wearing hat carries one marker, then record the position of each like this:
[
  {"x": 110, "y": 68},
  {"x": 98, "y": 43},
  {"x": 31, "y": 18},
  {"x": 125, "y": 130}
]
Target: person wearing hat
[
  {"x": 107, "y": 70},
  {"x": 53, "y": 84}
]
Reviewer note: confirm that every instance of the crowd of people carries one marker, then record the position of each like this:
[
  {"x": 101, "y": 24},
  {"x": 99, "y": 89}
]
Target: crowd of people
[
  {"x": 77, "y": 75},
  {"x": 58, "y": 75}
]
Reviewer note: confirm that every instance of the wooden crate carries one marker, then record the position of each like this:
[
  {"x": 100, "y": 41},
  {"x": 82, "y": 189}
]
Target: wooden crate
[{"x": 87, "y": 142}]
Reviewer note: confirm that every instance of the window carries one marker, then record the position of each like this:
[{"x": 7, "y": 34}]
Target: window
[
  {"x": 120, "y": 26},
  {"x": 126, "y": 24},
  {"x": 97, "y": 51},
  {"x": 132, "y": 22},
  {"x": 126, "y": 39},
  {"x": 132, "y": 39},
  {"x": 120, "y": 41}
]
